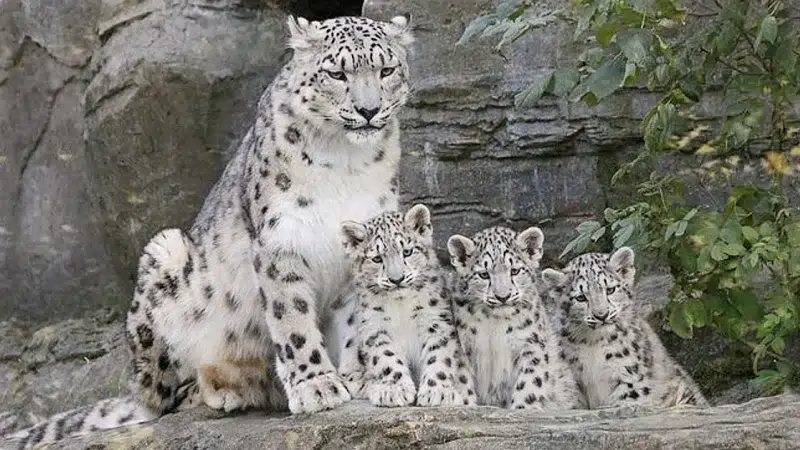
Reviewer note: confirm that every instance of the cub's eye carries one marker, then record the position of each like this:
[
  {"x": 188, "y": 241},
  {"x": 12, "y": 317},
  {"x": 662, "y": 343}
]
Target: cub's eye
[
  {"x": 515, "y": 271},
  {"x": 386, "y": 71},
  {"x": 377, "y": 259},
  {"x": 611, "y": 290},
  {"x": 337, "y": 75},
  {"x": 484, "y": 275},
  {"x": 580, "y": 299},
  {"x": 407, "y": 252}
]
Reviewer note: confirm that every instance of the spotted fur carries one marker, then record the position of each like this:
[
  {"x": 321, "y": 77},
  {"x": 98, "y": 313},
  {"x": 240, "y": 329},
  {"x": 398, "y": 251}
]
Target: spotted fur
[
  {"x": 615, "y": 356},
  {"x": 403, "y": 326},
  {"x": 241, "y": 311},
  {"x": 502, "y": 324}
]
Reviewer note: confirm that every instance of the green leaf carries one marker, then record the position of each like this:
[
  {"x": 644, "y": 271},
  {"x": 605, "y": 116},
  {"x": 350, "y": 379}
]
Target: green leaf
[
  {"x": 587, "y": 227},
  {"x": 635, "y": 43},
  {"x": 750, "y": 234},
  {"x": 623, "y": 235},
  {"x": 746, "y": 303},
  {"x": 631, "y": 73},
  {"x": 476, "y": 27},
  {"x": 662, "y": 74},
  {"x": 533, "y": 93},
  {"x": 735, "y": 249},
  {"x": 678, "y": 322},
  {"x": 606, "y": 79},
  {"x": 564, "y": 81},
  {"x": 514, "y": 32},
  {"x": 718, "y": 252},
  {"x": 670, "y": 231},
  {"x": 585, "y": 12},
  {"x": 696, "y": 313},
  {"x": 598, "y": 233},
  {"x": 681, "y": 228},
  {"x": 606, "y": 32},
  {"x": 767, "y": 31},
  {"x": 778, "y": 345}
]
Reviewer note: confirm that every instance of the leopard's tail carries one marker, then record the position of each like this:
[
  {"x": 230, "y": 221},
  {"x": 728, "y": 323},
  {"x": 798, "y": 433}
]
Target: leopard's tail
[
  {"x": 105, "y": 414},
  {"x": 167, "y": 261}
]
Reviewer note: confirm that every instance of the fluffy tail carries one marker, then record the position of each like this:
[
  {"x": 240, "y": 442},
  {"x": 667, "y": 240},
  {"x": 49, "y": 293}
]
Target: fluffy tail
[
  {"x": 105, "y": 414},
  {"x": 168, "y": 261}
]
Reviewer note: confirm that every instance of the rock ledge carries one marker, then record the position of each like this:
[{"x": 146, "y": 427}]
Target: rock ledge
[{"x": 765, "y": 423}]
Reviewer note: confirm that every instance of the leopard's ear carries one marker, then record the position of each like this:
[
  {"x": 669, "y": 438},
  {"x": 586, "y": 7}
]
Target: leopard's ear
[
  {"x": 303, "y": 34},
  {"x": 418, "y": 220},
  {"x": 399, "y": 28},
  {"x": 530, "y": 242},
  {"x": 353, "y": 235},
  {"x": 461, "y": 249},
  {"x": 621, "y": 262},
  {"x": 552, "y": 278}
]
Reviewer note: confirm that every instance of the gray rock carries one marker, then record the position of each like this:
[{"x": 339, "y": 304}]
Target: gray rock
[{"x": 763, "y": 423}]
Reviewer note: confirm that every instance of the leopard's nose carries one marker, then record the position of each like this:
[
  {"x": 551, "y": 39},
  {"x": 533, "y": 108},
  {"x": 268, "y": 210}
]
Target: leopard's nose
[{"x": 367, "y": 113}]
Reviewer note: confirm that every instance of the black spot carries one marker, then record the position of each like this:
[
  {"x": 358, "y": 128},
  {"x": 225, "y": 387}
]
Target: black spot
[
  {"x": 431, "y": 382},
  {"x": 431, "y": 360},
  {"x": 134, "y": 307},
  {"x": 231, "y": 301},
  {"x": 283, "y": 182},
  {"x": 441, "y": 376},
  {"x": 315, "y": 357},
  {"x": 379, "y": 155},
  {"x": 520, "y": 385},
  {"x": 537, "y": 381},
  {"x": 272, "y": 271},
  {"x": 388, "y": 353},
  {"x": 387, "y": 371},
  {"x": 303, "y": 202},
  {"x": 300, "y": 305},
  {"x": 188, "y": 268},
  {"x": 633, "y": 394},
  {"x": 257, "y": 263},
  {"x": 163, "y": 390},
  {"x": 462, "y": 379},
  {"x": 530, "y": 399},
  {"x": 145, "y": 335},
  {"x": 262, "y": 296},
  {"x": 198, "y": 314},
  {"x": 297, "y": 340},
  {"x": 302, "y": 367},
  {"x": 278, "y": 309},
  {"x": 147, "y": 380},
  {"x": 208, "y": 292},
  {"x": 292, "y": 277},
  {"x": 231, "y": 337},
  {"x": 163, "y": 361},
  {"x": 288, "y": 351},
  {"x": 273, "y": 221},
  {"x": 306, "y": 158},
  {"x": 253, "y": 328},
  {"x": 292, "y": 135}
]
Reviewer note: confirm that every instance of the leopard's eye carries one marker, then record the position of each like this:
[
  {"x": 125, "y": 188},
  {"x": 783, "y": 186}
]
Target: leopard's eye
[
  {"x": 484, "y": 275},
  {"x": 386, "y": 71},
  {"x": 377, "y": 259},
  {"x": 515, "y": 271},
  {"x": 611, "y": 290},
  {"x": 337, "y": 75},
  {"x": 407, "y": 252},
  {"x": 580, "y": 298}
]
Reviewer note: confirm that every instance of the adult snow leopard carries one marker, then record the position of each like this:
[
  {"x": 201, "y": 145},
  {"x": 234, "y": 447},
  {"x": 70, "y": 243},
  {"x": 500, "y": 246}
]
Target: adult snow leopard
[{"x": 228, "y": 313}]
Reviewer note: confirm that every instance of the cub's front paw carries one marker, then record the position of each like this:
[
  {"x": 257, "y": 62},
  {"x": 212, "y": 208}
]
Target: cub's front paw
[
  {"x": 442, "y": 393},
  {"x": 355, "y": 384},
  {"x": 391, "y": 393},
  {"x": 324, "y": 391}
]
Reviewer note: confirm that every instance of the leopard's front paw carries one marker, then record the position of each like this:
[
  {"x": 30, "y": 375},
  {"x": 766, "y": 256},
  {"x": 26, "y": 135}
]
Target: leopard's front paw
[
  {"x": 325, "y": 391},
  {"x": 355, "y": 384},
  {"x": 391, "y": 393},
  {"x": 435, "y": 392}
]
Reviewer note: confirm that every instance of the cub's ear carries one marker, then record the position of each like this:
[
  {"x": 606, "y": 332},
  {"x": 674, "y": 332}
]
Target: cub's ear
[
  {"x": 621, "y": 262},
  {"x": 399, "y": 28},
  {"x": 303, "y": 34},
  {"x": 418, "y": 220},
  {"x": 353, "y": 234},
  {"x": 552, "y": 279},
  {"x": 530, "y": 242},
  {"x": 460, "y": 249}
]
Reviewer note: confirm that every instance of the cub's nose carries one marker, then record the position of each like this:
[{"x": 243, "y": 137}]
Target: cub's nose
[
  {"x": 367, "y": 113},
  {"x": 396, "y": 281},
  {"x": 601, "y": 317},
  {"x": 502, "y": 299}
]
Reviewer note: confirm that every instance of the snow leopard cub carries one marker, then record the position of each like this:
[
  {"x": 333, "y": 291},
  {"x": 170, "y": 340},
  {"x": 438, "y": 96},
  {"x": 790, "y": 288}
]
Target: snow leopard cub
[
  {"x": 502, "y": 324},
  {"x": 403, "y": 326}
]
